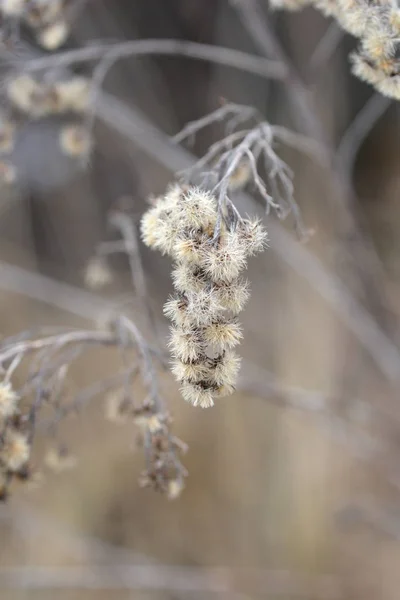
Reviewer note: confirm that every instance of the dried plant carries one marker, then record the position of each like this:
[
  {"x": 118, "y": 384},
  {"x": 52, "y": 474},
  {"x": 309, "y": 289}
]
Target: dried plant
[
  {"x": 376, "y": 24},
  {"x": 195, "y": 222},
  {"x": 210, "y": 249}
]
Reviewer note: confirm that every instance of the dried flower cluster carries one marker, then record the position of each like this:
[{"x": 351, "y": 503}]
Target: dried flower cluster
[
  {"x": 47, "y": 19},
  {"x": 209, "y": 290},
  {"x": 14, "y": 444},
  {"x": 30, "y": 98},
  {"x": 376, "y": 23}
]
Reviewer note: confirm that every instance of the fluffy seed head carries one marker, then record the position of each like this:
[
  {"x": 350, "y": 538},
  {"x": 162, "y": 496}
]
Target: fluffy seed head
[
  {"x": 175, "y": 488},
  {"x": 74, "y": 94},
  {"x": 193, "y": 309},
  {"x": 39, "y": 13},
  {"x": 252, "y": 235},
  {"x": 377, "y": 43},
  {"x": 21, "y": 90},
  {"x": 225, "y": 369},
  {"x": 15, "y": 451},
  {"x": 191, "y": 247},
  {"x": 97, "y": 273},
  {"x": 197, "y": 394},
  {"x": 53, "y": 36},
  {"x": 75, "y": 141},
  {"x": 366, "y": 70},
  {"x": 223, "y": 334},
  {"x": 223, "y": 262},
  {"x": 174, "y": 194},
  {"x": 233, "y": 296},
  {"x": 8, "y": 401},
  {"x": 390, "y": 86},
  {"x": 187, "y": 346},
  {"x": 197, "y": 209},
  {"x": 190, "y": 371},
  {"x": 189, "y": 278}
]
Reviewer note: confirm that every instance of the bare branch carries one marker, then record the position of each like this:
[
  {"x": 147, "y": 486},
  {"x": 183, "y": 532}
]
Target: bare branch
[
  {"x": 112, "y": 53},
  {"x": 358, "y": 130}
]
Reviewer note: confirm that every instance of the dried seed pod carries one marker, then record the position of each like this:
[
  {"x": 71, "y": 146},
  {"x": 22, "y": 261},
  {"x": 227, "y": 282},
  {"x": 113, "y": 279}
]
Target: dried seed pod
[
  {"x": 209, "y": 290},
  {"x": 15, "y": 450},
  {"x": 53, "y": 36},
  {"x": 75, "y": 141},
  {"x": 8, "y": 401}
]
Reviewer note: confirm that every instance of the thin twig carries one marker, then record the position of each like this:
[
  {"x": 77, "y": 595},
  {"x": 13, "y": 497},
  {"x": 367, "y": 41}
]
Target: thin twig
[
  {"x": 358, "y": 130},
  {"x": 325, "y": 48}
]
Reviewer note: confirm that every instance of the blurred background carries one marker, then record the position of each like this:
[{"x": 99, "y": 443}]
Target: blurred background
[{"x": 293, "y": 481}]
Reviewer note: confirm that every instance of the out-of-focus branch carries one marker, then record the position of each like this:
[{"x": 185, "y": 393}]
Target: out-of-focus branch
[
  {"x": 112, "y": 53},
  {"x": 358, "y": 130},
  {"x": 217, "y": 580},
  {"x": 325, "y": 48}
]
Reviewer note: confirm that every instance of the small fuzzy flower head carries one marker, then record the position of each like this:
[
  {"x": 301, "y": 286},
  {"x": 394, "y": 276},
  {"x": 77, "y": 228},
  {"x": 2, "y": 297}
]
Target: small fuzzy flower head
[
  {"x": 197, "y": 209},
  {"x": 252, "y": 235},
  {"x": 225, "y": 368},
  {"x": 193, "y": 372},
  {"x": 233, "y": 296},
  {"x": 175, "y": 488},
  {"x": 223, "y": 334},
  {"x": 189, "y": 278},
  {"x": 53, "y": 36},
  {"x": 39, "y": 13},
  {"x": 21, "y": 91},
  {"x": 377, "y": 43},
  {"x": 390, "y": 87},
  {"x": 97, "y": 273},
  {"x": 75, "y": 141},
  {"x": 198, "y": 394},
  {"x": 8, "y": 401},
  {"x": 187, "y": 346},
  {"x": 15, "y": 450},
  {"x": 160, "y": 226},
  {"x": 74, "y": 94},
  {"x": 191, "y": 247},
  {"x": 366, "y": 70},
  {"x": 224, "y": 261},
  {"x": 193, "y": 309}
]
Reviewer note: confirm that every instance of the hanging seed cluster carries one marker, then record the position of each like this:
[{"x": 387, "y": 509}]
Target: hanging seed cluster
[
  {"x": 14, "y": 444},
  {"x": 376, "y": 24},
  {"x": 209, "y": 291}
]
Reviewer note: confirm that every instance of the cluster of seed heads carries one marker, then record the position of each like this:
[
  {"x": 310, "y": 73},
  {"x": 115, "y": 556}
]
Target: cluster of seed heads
[
  {"x": 30, "y": 99},
  {"x": 14, "y": 443},
  {"x": 46, "y": 18},
  {"x": 209, "y": 290},
  {"x": 376, "y": 24}
]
